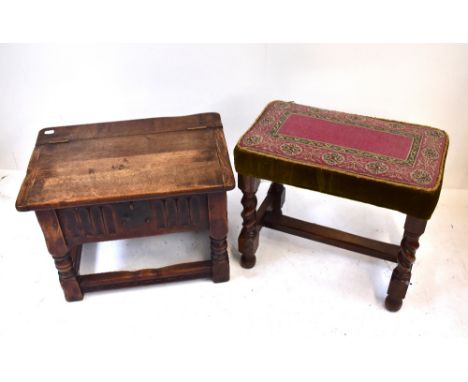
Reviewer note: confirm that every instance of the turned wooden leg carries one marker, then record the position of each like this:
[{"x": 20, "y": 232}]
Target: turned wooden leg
[
  {"x": 67, "y": 276},
  {"x": 61, "y": 254},
  {"x": 217, "y": 209},
  {"x": 248, "y": 238},
  {"x": 277, "y": 193},
  {"x": 401, "y": 275}
]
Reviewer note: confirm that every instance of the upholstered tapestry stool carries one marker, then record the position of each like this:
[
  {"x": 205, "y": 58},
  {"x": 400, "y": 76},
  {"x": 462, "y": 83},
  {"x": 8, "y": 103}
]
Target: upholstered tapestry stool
[
  {"x": 128, "y": 179},
  {"x": 385, "y": 163}
]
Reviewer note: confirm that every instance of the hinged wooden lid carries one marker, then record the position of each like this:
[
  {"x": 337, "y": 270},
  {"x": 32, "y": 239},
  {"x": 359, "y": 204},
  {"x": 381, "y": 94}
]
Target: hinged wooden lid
[{"x": 128, "y": 160}]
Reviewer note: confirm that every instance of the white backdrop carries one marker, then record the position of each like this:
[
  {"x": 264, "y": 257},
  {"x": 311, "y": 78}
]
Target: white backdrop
[{"x": 51, "y": 85}]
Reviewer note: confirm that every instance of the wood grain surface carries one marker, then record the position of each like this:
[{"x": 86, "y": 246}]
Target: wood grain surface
[{"x": 127, "y": 160}]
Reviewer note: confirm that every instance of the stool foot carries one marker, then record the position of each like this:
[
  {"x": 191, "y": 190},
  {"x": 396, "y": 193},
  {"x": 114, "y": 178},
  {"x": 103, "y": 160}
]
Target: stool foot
[
  {"x": 248, "y": 262},
  {"x": 401, "y": 275},
  {"x": 393, "y": 305},
  {"x": 71, "y": 290},
  {"x": 248, "y": 238}
]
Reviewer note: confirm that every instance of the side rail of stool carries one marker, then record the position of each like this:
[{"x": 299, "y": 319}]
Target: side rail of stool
[{"x": 270, "y": 215}]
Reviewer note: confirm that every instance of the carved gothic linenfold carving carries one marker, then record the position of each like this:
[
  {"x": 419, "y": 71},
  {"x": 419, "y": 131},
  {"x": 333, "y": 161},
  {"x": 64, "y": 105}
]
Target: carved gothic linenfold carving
[{"x": 82, "y": 224}]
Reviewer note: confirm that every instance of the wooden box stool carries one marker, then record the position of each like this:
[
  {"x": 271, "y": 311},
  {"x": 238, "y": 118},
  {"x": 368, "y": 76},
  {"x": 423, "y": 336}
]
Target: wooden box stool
[
  {"x": 129, "y": 179},
  {"x": 385, "y": 163}
]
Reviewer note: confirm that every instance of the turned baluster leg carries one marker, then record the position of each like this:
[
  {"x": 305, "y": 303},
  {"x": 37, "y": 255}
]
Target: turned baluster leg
[
  {"x": 401, "y": 275},
  {"x": 248, "y": 238},
  {"x": 277, "y": 193},
  {"x": 59, "y": 250},
  {"x": 217, "y": 210}
]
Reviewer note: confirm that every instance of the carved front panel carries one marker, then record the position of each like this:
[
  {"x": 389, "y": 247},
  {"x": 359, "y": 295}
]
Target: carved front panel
[{"x": 132, "y": 219}]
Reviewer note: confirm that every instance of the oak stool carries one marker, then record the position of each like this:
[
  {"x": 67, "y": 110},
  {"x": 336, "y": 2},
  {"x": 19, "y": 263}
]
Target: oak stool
[
  {"x": 117, "y": 180},
  {"x": 386, "y": 163}
]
